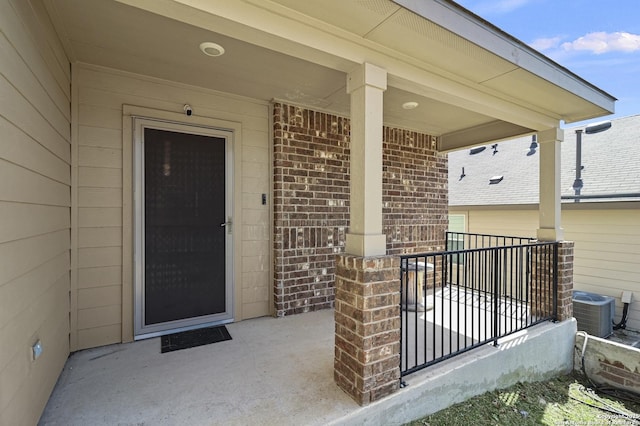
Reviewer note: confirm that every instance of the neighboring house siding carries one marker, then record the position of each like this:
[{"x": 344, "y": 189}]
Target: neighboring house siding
[
  {"x": 311, "y": 201},
  {"x": 516, "y": 223},
  {"x": 607, "y": 246},
  {"x": 606, "y": 254},
  {"x": 99, "y": 297},
  {"x": 34, "y": 209}
]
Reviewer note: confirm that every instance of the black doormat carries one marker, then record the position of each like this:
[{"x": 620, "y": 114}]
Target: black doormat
[{"x": 193, "y": 338}]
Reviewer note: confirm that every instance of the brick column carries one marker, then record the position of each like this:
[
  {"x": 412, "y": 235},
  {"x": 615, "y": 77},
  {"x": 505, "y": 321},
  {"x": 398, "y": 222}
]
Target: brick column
[
  {"x": 565, "y": 280},
  {"x": 542, "y": 282},
  {"x": 367, "y": 315}
]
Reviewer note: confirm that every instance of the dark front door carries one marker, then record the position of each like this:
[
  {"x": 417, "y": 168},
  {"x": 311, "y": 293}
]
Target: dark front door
[{"x": 184, "y": 233}]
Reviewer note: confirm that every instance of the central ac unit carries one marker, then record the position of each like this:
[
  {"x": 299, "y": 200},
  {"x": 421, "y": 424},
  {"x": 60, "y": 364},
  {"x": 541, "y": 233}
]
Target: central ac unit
[{"x": 594, "y": 313}]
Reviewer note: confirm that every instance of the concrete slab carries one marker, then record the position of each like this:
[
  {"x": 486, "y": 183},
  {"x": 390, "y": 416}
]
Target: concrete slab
[
  {"x": 280, "y": 372},
  {"x": 274, "y": 371}
]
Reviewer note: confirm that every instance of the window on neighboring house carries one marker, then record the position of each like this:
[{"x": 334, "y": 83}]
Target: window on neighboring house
[{"x": 455, "y": 241}]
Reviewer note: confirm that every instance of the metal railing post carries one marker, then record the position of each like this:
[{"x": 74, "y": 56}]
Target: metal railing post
[
  {"x": 403, "y": 339},
  {"x": 496, "y": 297}
]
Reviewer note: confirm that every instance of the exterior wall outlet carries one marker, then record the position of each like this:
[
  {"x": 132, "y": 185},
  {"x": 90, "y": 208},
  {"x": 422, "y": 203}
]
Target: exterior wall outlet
[
  {"x": 36, "y": 350},
  {"x": 626, "y": 296}
]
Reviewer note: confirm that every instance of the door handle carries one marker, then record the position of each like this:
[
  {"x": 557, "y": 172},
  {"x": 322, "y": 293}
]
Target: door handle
[{"x": 227, "y": 224}]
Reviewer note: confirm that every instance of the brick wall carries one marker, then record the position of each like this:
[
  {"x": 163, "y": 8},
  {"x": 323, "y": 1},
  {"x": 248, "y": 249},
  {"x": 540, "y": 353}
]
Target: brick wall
[
  {"x": 542, "y": 281},
  {"x": 565, "y": 280},
  {"x": 367, "y": 315},
  {"x": 311, "y": 206},
  {"x": 415, "y": 192},
  {"x": 311, "y": 201}
]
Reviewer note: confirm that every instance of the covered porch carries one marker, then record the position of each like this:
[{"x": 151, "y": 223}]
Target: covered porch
[
  {"x": 278, "y": 371},
  {"x": 332, "y": 121}
]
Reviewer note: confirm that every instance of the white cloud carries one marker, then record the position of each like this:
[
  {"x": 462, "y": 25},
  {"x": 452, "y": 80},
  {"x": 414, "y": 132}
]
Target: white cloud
[
  {"x": 542, "y": 44},
  {"x": 601, "y": 42}
]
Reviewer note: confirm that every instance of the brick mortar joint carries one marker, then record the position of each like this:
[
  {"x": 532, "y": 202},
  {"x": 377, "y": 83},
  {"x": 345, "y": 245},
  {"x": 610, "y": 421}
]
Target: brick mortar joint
[{"x": 376, "y": 362}]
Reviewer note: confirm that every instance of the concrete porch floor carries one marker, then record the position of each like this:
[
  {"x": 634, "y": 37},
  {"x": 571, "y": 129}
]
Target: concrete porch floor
[
  {"x": 273, "y": 371},
  {"x": 280, "y": 372}
]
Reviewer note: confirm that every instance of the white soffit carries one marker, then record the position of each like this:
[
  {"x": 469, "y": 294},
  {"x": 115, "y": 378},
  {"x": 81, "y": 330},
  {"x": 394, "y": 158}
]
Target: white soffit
[
  {"x": 436, "y": 117},
  {"x": 300, "y": 37},
  {"x": 450, "y": 41},
  {"x": 427, "y": 42},
  {"x": 494, "y": 131},
  {"x": 299, "y": 51},
  {"x": 536, "y": 88},
  {"x": 467, "y": 25},
  {"x": 356, "y": 16},
  {"x": 122, "y": 37}
]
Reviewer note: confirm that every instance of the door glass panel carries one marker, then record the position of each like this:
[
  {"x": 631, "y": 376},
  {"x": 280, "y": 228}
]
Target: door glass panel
[{"x": 184, "y": 246}]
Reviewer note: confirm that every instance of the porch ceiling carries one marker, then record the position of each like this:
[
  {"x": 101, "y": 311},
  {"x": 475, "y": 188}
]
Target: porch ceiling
[{"x": 300, "y": 52}]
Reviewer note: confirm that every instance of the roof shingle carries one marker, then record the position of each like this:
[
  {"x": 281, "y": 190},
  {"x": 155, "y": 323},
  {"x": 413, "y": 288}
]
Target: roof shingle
[{"x": 610, "y": 159}]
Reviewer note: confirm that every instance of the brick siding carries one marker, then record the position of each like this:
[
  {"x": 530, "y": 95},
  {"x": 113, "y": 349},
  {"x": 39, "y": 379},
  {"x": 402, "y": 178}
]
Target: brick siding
[
  {"x": 542, "y": 282},
  {"x": 565, "y": 280},
  {"x": 311, "y": 201},
  {"x": 415, "y": 192},
  {"x": 367, "y": 345}
]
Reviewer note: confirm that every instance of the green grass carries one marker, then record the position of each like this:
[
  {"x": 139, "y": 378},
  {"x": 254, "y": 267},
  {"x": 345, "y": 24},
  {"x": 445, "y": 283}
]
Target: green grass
[{"x": 566, "y": 400}]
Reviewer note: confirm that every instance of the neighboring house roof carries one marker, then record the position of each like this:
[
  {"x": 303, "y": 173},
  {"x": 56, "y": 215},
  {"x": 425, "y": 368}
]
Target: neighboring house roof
[{"x": 610, "y": 159}]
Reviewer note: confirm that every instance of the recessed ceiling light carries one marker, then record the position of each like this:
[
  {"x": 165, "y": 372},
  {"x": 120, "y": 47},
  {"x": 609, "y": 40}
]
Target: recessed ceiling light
[
  {"x": 211, "y": 49},
  {"x": 410, "y": 105}
]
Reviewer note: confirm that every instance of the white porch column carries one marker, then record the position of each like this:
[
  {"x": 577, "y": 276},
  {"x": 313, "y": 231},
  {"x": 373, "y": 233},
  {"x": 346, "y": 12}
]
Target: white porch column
[
  {"x": 550, "y": 207},
  {"x": 366, "y": 85}
]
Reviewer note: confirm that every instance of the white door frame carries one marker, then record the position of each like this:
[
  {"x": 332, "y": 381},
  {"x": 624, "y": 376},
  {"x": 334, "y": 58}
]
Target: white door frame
[{"x": 142, "y": 330}]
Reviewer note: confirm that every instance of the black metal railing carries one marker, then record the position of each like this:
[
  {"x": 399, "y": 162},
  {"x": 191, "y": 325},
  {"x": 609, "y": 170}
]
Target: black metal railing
[
  {"x": 464, "y": 240},
  {"x": 457, "y": 300}
]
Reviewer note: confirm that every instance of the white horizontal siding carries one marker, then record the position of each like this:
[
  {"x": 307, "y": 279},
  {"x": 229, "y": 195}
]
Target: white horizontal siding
[
  {"x": 30, "y": 220},
  {"x": 19, "y": 148},
  {"x": 26, "y": 116},
  {"x": 35, "y": 201}
]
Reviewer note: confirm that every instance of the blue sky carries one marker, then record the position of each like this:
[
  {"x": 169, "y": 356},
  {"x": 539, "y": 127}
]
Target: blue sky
[{"x": 599, "y": 40}]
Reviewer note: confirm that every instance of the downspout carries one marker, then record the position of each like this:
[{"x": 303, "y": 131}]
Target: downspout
[{"x": 577, "y": 184}]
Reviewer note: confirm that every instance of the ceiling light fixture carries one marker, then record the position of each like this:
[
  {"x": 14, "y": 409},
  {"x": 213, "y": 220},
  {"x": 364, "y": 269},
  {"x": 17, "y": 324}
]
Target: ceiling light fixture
[
  {"x": 211, "y": 49},
  {"x": 410, "y": 105}
]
